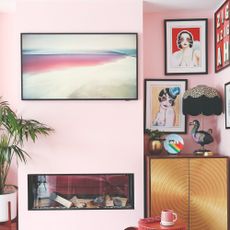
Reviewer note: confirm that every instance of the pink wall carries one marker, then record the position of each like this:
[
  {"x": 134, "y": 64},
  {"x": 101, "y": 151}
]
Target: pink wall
[
  {"x": 93, "y": 136},
  {"x": 154, "y": 68},
  {"x": 224, "y": 144},
  {"x": 8, "y": 65},
  {"x": 90, "y": 136}
]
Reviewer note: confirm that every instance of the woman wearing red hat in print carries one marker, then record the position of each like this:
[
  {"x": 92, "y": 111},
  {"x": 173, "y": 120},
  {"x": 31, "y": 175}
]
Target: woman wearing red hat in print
[{"x": 166, "y": 115}]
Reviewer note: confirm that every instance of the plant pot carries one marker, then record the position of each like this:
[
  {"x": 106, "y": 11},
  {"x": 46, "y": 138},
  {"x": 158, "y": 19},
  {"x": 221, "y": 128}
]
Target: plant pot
[
  {"x": 9, "y": 196},
  {"x": 155, "y": 146}
]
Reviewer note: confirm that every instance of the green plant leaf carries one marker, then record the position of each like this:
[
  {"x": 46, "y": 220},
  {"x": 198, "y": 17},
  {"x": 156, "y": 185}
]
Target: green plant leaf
[
  {"x": 14, "y": 131},
  {"x": 154, "y": 134}
]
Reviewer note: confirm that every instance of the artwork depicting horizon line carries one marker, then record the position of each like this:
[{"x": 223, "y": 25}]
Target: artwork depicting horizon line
[{"x": 79, "y": 66}]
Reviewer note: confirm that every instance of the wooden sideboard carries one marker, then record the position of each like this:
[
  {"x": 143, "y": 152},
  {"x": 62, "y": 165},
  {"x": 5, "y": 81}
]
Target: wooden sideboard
[{"x": 195, "y": 187}]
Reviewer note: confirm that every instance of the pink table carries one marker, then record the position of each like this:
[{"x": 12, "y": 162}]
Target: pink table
[{"x": 153, "y": 224}]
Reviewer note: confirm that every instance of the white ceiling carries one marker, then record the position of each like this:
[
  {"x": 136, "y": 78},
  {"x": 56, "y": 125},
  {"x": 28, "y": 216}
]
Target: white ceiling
[
  {"x": 7, "y": 5},
  {"x": 168, "y": 5},
  {"x": 149, "y": 5}
]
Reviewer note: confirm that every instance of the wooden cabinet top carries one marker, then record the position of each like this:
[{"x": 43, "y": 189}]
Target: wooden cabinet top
[{"x": 182, "y": 155}]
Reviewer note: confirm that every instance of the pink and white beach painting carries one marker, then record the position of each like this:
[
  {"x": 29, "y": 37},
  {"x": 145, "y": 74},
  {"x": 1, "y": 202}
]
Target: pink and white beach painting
[{"x": 79, "y": 66}]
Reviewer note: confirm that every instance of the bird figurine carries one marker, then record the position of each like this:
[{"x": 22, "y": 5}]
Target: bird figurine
[{"x": 201, "y": 137}]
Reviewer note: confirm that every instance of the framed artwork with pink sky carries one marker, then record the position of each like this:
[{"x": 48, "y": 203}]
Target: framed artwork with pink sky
[
  {"x": 79, "y": 66},
  {"x": 186, "y": 46}
]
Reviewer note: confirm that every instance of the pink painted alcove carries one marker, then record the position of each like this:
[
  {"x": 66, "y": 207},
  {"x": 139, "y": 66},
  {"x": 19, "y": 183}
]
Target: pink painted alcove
[{"x": 154, "y": 69}]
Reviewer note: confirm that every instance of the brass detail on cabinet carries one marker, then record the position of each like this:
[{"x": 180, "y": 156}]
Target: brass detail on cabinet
[
  {"x": 169, "y": 186},
  {"x": 208, "y": 194},
  {"x": 195, "y": 188}
]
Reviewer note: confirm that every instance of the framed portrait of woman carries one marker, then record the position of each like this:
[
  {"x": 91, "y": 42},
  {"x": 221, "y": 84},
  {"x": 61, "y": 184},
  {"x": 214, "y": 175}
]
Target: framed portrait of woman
[
  {"x": 186, "y": 46},
  {"x": 163, "y": 105}
]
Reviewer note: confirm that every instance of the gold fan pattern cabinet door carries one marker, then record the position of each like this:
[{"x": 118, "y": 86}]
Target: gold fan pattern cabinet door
[
  {"x": 169, "y": 186},
  {"x": 196, "y": 188},
  {"x": 208, "y": 194}
]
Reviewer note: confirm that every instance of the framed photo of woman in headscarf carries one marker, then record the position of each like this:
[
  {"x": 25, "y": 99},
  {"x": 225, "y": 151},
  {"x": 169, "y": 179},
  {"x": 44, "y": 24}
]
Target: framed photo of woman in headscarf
[
  {"x": 163, "y": 105},
  {"x": 186, "y": 46}
]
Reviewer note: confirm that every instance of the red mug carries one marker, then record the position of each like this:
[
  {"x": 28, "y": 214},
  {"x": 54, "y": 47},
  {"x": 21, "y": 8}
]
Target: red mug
[{"x": 168, "y": 217}]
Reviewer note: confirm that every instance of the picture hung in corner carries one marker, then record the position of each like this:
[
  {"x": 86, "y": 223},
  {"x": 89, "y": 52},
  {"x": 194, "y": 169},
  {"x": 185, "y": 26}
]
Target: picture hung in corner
[
  {"x": 227, "y": 105},
  {"x": 79, "y": 66},
  {"x": 163, "y": 105},
  {"x": 222, "y": 38},
  {"x": 186, "y": 46}
]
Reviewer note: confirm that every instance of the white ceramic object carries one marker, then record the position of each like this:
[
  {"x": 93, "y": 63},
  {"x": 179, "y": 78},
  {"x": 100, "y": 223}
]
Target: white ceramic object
[
  {"x": 4, "y": 199},
  {"x": 173, "y": 143}
]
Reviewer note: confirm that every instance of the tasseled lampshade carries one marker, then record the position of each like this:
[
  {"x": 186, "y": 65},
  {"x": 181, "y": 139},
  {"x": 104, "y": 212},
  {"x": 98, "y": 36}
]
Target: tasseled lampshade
[{"x": 202, "y": 100}]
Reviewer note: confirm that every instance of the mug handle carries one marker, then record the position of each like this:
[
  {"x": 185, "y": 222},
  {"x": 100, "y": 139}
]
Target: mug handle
[{"x": 175, "y": 217}]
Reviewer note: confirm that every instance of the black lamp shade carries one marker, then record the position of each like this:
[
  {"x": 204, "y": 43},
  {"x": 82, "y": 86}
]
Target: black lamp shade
[{"x": 202, "y": 100}]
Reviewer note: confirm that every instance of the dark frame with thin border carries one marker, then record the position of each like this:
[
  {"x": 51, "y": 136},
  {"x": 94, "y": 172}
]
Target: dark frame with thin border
[
  {"x": 105, "y": 50},
  {"x": 31, "y": 180},
  {"x": 183, "y": 70},
  {"x": 131, "y": 196},
  {"x": 184, "y": 83},
  {"x": 227, "y": 104}
]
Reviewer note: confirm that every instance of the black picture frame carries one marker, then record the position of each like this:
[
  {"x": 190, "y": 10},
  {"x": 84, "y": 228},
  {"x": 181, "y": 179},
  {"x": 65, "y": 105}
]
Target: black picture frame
[
  {"x": 157, "y": 89},
  {"x": 227, "y": 104},
  {"x": 79, "y": 66},
  {"x": 221, "y": 49},
  {"x": 195, "y": 32},
  {"x": 53, "y": 191}
]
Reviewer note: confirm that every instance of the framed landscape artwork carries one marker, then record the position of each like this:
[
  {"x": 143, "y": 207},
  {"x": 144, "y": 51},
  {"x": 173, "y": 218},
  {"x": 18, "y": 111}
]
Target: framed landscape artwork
[
  {"x": 186, "y": 46},
  {"x": 222, "y": 38},
  {"x": 163, "y": 105},
  {"x": 79, "y": 66}
]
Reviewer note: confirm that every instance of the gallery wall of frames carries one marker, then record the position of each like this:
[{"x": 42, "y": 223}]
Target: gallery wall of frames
[
  {"x": 104, "y": 66},
  {"x": 186, "y": 53}
]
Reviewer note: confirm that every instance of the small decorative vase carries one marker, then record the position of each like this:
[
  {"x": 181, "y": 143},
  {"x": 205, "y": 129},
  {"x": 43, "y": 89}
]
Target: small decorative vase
[{"x": 155, "y": 146}]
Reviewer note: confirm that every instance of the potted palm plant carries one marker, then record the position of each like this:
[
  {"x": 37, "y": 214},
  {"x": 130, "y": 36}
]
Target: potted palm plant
[{"x": 14, "y": 131}]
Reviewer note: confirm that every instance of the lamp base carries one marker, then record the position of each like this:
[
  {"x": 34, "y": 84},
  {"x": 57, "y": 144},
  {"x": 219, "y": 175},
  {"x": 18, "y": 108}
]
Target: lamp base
[{"x": 203, "y": 152}]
